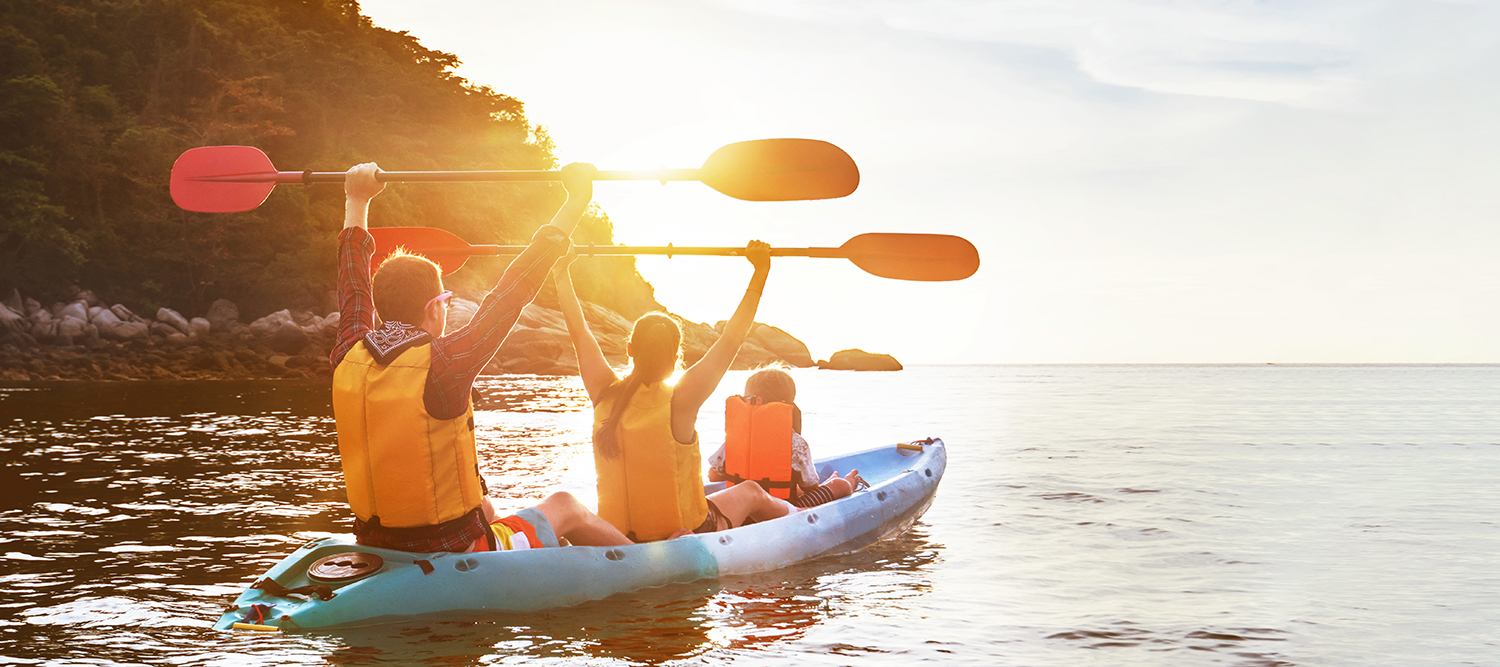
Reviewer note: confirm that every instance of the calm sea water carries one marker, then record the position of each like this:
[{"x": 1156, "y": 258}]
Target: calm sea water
[{"x": 1090, "y": 515}]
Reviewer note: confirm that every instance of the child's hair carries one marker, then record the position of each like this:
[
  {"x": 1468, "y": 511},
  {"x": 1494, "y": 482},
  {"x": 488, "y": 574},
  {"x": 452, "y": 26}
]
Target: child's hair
[
  {"x": 655, "y": 344},
  {"x": 772, "y": 384},
  {"x": 403, "y": 285}
]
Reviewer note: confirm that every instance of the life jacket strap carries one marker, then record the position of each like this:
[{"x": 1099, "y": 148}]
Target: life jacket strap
[{"x": 271, "y": 587}]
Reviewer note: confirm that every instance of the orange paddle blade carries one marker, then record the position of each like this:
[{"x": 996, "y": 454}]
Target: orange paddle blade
[
  {"x": 781, "y": 170},
  {"x": 446, "y": 249},
  {"x": 926, "y": 257}
]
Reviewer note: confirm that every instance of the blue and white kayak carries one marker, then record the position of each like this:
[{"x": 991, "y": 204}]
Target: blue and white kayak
[{"x": 366, "y": 586}]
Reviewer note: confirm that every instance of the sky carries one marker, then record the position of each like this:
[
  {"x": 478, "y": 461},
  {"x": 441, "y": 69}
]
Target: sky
[{"x": 1146, "y": 181}]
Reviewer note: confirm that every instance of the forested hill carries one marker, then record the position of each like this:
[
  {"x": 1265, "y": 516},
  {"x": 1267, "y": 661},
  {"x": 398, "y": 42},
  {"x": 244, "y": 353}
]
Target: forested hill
[{"x": 99, "y": 97}]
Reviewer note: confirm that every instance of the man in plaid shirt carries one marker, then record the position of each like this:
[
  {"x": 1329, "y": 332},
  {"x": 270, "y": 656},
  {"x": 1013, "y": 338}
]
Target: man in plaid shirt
[{"x": 402, "y": 392}]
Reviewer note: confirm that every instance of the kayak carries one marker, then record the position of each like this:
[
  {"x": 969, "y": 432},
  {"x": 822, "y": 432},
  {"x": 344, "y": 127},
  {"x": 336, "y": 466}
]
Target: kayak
[{"x": 335, "y": 583}]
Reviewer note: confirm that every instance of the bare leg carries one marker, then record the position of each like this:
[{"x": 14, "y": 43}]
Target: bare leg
[
  {"x": 575, "y": 523},
  {"x": 748, "y": 500}
]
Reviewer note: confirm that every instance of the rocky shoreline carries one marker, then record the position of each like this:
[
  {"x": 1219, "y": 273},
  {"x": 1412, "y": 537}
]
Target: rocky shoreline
[{"x": 87, "y": 339}]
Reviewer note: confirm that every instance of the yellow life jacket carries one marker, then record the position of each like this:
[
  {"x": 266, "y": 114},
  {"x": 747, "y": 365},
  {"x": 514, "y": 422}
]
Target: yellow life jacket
[
  {"x": 400, "y": 464},
  {"x": 758, "y": 445},
  {"x": 655, "y": 486}
]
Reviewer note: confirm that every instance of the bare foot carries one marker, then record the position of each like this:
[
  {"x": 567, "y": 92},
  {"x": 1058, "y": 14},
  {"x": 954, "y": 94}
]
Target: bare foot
[{"x": 856, "y": 480}]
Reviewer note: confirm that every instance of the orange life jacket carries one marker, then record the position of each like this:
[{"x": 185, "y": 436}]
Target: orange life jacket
[
  {"x": 401, "y": 464},
  {"x": 758, "y": 445},
  {"x": 655, "y": 485}
]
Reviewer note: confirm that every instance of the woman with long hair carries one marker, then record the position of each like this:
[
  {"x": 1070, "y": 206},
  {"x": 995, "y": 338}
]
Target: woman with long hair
[{"x": 645, "y": 435}]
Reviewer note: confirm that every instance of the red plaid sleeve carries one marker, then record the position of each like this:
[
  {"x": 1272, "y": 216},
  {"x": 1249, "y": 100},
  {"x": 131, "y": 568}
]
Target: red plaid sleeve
[
  {"x": 356, "y": 305},
  {"x": 458, "y": 357}
]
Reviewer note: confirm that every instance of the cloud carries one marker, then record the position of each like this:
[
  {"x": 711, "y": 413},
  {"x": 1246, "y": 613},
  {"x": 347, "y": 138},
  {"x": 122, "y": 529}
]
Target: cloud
[{"x": 1293, "y": 53}]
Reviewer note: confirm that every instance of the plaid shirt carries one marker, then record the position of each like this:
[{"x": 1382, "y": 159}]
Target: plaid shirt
[{"x": 457, "y": 358}]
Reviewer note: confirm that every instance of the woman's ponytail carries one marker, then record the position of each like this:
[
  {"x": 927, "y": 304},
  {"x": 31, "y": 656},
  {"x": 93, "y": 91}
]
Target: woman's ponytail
[{"x": 654, "y": 345}]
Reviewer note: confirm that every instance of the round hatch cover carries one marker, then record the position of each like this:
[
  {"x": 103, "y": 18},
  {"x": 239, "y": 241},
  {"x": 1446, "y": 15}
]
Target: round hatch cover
[{"x": 345, "y": 566}]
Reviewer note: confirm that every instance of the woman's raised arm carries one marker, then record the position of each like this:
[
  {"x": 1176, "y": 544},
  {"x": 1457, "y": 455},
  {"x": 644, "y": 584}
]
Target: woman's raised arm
[
  {"x": 597, "y": 375},
  {"x": 699, "y": 381}
]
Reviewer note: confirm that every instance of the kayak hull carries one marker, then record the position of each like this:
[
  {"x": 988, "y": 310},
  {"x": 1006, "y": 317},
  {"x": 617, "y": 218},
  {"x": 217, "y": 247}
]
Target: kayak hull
[{"x": 903, "y": 482}]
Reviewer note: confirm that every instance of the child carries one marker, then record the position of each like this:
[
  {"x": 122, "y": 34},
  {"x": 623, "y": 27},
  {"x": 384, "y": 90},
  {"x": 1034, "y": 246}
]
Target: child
[{"x": 756, "y": 426}]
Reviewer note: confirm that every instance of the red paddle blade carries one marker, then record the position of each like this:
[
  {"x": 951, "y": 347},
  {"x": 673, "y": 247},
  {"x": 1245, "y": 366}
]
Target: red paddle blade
[
  {"x": 929, "y": 257},
  {"x": 447, "y": 250},
  {"x": 201, "y": 179},
  {"x": 781, "y": 170}
]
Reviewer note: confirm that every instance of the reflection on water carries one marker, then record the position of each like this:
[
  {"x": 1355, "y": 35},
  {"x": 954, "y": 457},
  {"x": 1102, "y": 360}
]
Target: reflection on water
[
  {"x": 746, "y": 615},
  {"x": 133, "y": 512},
  {"x": 1090, "y": 515}
]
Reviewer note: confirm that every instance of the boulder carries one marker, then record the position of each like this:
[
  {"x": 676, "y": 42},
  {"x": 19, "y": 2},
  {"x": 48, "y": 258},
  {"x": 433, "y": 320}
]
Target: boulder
[
  {"x": 288, "y": 339},
  {"x": 32, "y": 308},
  {"x": 14, "y": 303},
  {"x": 127, "y": 330},
  {"x": 44, "y": 330},
  {"x": 780, "y": 344},
  {"x": 551, "y": 346},
  {"x": 162, "y": 329},
  {"x": 199, "y": 326},
  {"x": 751, "y": 356},
  {"x": 104, "y": 317},
  {"x": 537, "y": 317},
  {"x": 174, "y": 319},
  {"x": 222, "y": 315},
  {"x": 606, "y": 321},
  {"x": 696, "y": 339},
  {"x": 12, "y": 321},
  {"x": 77, "y": 310},
  {"x": 88, "y": 298},
  {"x": 72, "y": 327},
  {"x": 125, "y": 314},
  {"x": 268, "y": 325},
  {"x": 860, "y": 360}
]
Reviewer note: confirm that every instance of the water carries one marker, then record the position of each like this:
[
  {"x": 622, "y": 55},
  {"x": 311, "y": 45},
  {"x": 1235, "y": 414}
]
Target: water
[{"x": 1090, "y": 515}]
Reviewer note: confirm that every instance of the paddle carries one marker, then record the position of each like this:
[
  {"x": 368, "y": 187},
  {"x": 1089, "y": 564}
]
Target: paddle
[
  {"x": 229, "y": 179},
  {"x": 929, "y": 257}
]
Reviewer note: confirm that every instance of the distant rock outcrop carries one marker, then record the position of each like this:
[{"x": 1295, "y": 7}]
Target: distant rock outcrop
[
  {"x": 860, "y": 360},
  {"x": 86, "y": 339}
]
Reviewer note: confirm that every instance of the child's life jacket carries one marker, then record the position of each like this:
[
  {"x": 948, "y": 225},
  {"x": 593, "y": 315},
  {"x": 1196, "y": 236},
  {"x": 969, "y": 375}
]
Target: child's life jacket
[{"x": 758, "y": 445}]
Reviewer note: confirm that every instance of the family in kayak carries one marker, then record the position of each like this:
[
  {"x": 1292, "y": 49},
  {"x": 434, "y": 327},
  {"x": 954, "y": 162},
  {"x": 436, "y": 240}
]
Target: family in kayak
[{"x": 401, "y": 398}]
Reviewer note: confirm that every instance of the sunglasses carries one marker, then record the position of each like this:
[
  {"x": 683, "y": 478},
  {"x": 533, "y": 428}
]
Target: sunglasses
[{"x": 443, "y": 298}]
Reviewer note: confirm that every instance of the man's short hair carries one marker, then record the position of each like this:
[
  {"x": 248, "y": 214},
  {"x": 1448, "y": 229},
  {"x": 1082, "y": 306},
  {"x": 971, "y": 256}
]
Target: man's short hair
[{"x": 403, "y": 285}]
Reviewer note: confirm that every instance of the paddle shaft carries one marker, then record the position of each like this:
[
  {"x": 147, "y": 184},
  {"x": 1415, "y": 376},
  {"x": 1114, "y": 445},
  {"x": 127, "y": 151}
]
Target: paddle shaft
[
  {"x": 310, "y": 177},
  {"x": 668, "y": 250}
]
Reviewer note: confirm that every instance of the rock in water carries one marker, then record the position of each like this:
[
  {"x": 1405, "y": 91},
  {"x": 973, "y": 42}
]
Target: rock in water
[{"x": 860, "y": 360}]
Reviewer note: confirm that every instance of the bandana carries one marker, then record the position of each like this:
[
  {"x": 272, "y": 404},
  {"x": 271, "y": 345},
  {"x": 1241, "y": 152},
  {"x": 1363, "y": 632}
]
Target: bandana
[{"x": 389, "y": 341}]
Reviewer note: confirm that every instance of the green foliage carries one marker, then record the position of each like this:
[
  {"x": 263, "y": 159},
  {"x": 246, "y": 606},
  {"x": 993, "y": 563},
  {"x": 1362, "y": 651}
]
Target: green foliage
[{"x": 99, "y": 97}]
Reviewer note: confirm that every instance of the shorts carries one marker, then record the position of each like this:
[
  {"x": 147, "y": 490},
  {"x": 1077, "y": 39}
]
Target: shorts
[
  {"x": 526, "y": 529},
  {"x": 711, "y": 522}
]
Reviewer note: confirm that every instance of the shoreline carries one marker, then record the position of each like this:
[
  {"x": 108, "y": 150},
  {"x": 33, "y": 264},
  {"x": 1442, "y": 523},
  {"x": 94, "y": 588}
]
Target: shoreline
[{"x": 84, "y": 340}]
